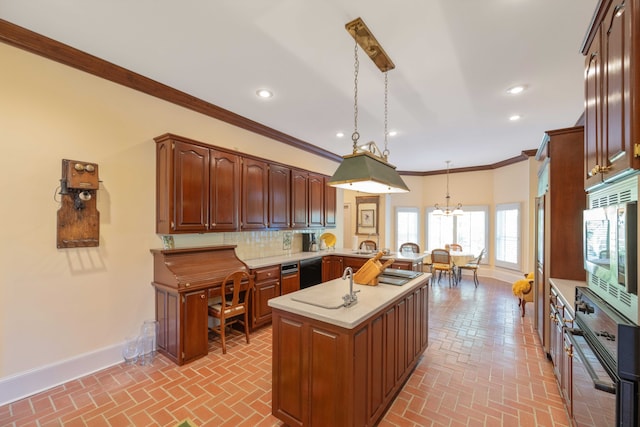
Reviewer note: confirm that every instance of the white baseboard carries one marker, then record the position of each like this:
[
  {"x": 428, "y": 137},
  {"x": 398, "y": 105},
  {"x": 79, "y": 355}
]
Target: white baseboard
[
  {"x": 508, "y": 276},
  {"x": 34, "y": 381}
]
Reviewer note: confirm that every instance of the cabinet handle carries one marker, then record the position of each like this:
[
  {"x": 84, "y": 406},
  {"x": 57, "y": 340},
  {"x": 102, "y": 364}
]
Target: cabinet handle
[
  {"x": 202, "y": 296},
  {"x": 569, "y": 351}
]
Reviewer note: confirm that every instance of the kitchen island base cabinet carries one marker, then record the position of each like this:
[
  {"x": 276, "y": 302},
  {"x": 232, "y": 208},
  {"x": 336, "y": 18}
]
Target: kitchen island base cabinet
[{"x": 327, "y": 375}]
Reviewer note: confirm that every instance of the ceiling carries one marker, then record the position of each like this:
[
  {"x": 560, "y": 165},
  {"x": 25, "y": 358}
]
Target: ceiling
[{"x": 454, "y": 60}]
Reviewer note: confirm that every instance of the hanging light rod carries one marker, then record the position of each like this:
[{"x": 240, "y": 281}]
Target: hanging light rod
[
  {"x": 368, "y": 43},
  {"x": 367, "y": 168}
]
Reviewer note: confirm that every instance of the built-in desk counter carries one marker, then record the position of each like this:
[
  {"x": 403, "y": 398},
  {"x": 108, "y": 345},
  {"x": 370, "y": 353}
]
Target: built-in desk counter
[{"x": 344, "y": 366}]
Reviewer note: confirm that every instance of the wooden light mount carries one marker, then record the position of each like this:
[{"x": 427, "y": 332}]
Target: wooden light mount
[{"x": 78, "y": 216}]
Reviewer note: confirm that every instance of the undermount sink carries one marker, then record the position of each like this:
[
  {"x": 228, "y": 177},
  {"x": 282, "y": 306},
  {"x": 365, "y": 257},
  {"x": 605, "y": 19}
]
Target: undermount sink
[
  {"x": 329, "y": 302},
  {"x": 363, "y": 252}
]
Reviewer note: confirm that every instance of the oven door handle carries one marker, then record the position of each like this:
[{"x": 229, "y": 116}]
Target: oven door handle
[{"x": 605, "y": 386}]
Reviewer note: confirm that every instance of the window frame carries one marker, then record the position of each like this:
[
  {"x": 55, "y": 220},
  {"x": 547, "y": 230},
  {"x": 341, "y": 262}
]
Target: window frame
[
  {"x": 407, "y": 209},
  {"x": 502, "y": 207},
  {"x": 473, "y": 208}
]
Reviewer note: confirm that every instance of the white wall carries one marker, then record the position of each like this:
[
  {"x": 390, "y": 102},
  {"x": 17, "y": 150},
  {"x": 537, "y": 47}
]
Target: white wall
[{"x": 65, "y": 312}]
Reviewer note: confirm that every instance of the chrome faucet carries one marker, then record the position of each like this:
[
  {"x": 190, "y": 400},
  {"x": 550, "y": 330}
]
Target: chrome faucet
[{"x": 350, "y": 298}]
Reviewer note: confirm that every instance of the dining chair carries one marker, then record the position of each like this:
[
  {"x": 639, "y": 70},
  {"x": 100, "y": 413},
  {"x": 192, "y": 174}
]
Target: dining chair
[
  {"x": 232, "y": 305},
  {"x": 473, "y": 266},
  {"x": 441, "y": 262},
  {"x": 410, "y": 247},
  {"x": 453, "y": 247},
  {"x": 368, "y": 245}
]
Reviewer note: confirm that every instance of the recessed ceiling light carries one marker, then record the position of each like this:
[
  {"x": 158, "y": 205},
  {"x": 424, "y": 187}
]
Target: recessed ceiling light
[
  {"x": 264, "y": 93},
  {"x": 393, "y": 133},
  {"x": 515, "y": 117},
  {"x": 516, "y": 89},
  {"x": 340, "y": 134}
]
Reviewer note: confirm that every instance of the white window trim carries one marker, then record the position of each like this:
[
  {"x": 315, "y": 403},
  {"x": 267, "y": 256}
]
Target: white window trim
[
  {"x": 412, "y": 209},
  {"x": 504, "y": 264}
]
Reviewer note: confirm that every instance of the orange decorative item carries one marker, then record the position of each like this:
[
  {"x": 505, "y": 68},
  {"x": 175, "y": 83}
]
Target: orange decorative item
[{"x": 369, "y": 272}]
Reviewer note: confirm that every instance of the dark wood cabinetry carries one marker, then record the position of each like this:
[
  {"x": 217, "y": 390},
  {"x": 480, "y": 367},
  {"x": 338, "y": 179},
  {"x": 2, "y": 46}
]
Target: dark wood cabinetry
[
  {"x": 197, "y": 188},
  {"x": 279, "y": 196},
  {"x": 612, "y": 128},
  {"x": 330, "y": 204},
  {"x": 254, "y": 201},
  {"x": 325, "y": 375},
  {"x": 332, "y": 267},
  {"x": 201, "y": 188},
  {"x": 561, "y": 201},
  {"x": 299, "y": 198},
  {"x": 266, "y": 286},
  {"x": 316, "y": 200},
  {"x": 560, "y": 347},
  {"x": 183, "y": 280}
]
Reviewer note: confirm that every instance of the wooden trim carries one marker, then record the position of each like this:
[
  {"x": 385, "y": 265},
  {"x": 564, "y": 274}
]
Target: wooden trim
[
  {"x": 30, "y": 41},
  {"x": 38, "y": 44},
  {"x": 524, "y": 155}
]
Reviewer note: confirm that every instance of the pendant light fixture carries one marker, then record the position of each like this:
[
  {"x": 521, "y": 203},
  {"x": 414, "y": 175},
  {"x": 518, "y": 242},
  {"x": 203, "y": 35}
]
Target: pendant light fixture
[
  {"x": 367, "y": 169},
  {"x": 447, "y": 210}
]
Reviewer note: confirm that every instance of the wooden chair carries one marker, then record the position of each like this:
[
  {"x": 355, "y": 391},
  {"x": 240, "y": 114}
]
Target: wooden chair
[
  {"x": 410, "y": 247},
  {"x": 441, "y": 262},
  {"x": 453, "y": 247},
  {"x": 368, "y": 245},
  {"x": 473, "y": 266},
  {"x": 232, "y": 306}
]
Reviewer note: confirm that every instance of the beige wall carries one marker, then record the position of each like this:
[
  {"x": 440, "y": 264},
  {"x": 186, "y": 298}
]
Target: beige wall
[{"x": 65, "y": 312}]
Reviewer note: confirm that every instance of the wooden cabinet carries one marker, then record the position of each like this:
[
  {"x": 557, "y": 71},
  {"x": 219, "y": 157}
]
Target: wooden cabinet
[
  {"x": 332, "y": 267},
  {"x": 316, "y": 200},
  {"x": 299, "y": 198},
  {"x": 197, "y": 188},
  {"x": 330, "y": 204},
  {"x": 184, "y": 280},
  {"x": 290, "y": 283},
  {"x": 279, "y": 196},
  {"x": 560, "y": 346},
  {"x": 612, "y": 51},
  {"x": 224, "y": 191},
  {"x": 266, "y": 286},
  {"x": 325, "y": 375},
  {"x": 254, "y": 202},
  {"x": 562, "y": 199},
  {"x": 201, "y": 188}
]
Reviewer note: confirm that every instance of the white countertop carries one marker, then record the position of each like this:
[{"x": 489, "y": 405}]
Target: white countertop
[
  {"x": 370, "y": 300},
  {"x": 275, "y": 260}
]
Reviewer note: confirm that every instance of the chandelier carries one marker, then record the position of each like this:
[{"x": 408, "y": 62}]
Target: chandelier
[
  {"x": 367, "y": 169},
  {"x": 447, "y": 210}
]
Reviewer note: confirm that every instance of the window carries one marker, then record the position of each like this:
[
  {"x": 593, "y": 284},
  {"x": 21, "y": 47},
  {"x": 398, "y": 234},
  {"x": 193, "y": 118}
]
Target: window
[
  {"x": 508, "y": 236},
  {"x": 406, "y": 226},
  {"x": 470, "y": 230}
]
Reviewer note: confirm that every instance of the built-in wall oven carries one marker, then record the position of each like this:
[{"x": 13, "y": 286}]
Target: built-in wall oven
[{"x": 606, "y": 359}]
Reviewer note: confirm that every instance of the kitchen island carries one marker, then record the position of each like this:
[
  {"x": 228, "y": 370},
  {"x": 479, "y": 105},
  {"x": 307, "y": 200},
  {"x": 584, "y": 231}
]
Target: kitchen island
[{"x": 344, "y": 366}]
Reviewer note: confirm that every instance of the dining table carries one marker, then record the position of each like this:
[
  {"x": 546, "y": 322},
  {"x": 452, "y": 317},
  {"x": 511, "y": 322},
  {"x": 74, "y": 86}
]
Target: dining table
[{"x": 457, "y": 258}]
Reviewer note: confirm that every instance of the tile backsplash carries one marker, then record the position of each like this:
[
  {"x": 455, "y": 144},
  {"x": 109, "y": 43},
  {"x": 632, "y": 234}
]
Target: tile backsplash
[{"x": 250, "y": 244}]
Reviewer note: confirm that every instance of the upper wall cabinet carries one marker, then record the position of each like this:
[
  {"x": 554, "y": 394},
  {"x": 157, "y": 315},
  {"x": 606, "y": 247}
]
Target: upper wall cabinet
[
  {"x": 201, "y": 188},
  {"x": 197, "y": 188},
  {"x": 255, "y": 181},
  {"x": 612, "y": 76}
]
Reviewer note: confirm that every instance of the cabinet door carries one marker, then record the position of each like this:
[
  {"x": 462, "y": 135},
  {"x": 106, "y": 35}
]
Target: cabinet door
[
  {"x": 191, "y": 184},
  {"x": 279, "y": 196},
  {"x": 316, "y": 200},
  {"x": 299, "y": 199},
  {"x": 224, "y": 191},
  {"x": 194, "y": 325},
  {"x": 290, "y": 283},
  {"x": 330, "y": 204},
  {"x": 254, "y": 194},
  {"x": 617, "y": 87},
  {"x": 593, "y": 137},
  {"x": 331, "y": 267}
]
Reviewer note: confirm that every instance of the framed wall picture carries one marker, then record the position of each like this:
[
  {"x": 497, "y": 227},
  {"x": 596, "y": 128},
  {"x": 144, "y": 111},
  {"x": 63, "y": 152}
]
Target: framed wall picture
[{"x": 367, "y": 215}]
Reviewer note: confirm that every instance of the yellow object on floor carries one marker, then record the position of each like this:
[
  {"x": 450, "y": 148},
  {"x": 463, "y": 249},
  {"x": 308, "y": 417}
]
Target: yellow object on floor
[{"x": 523, "y": 289}]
